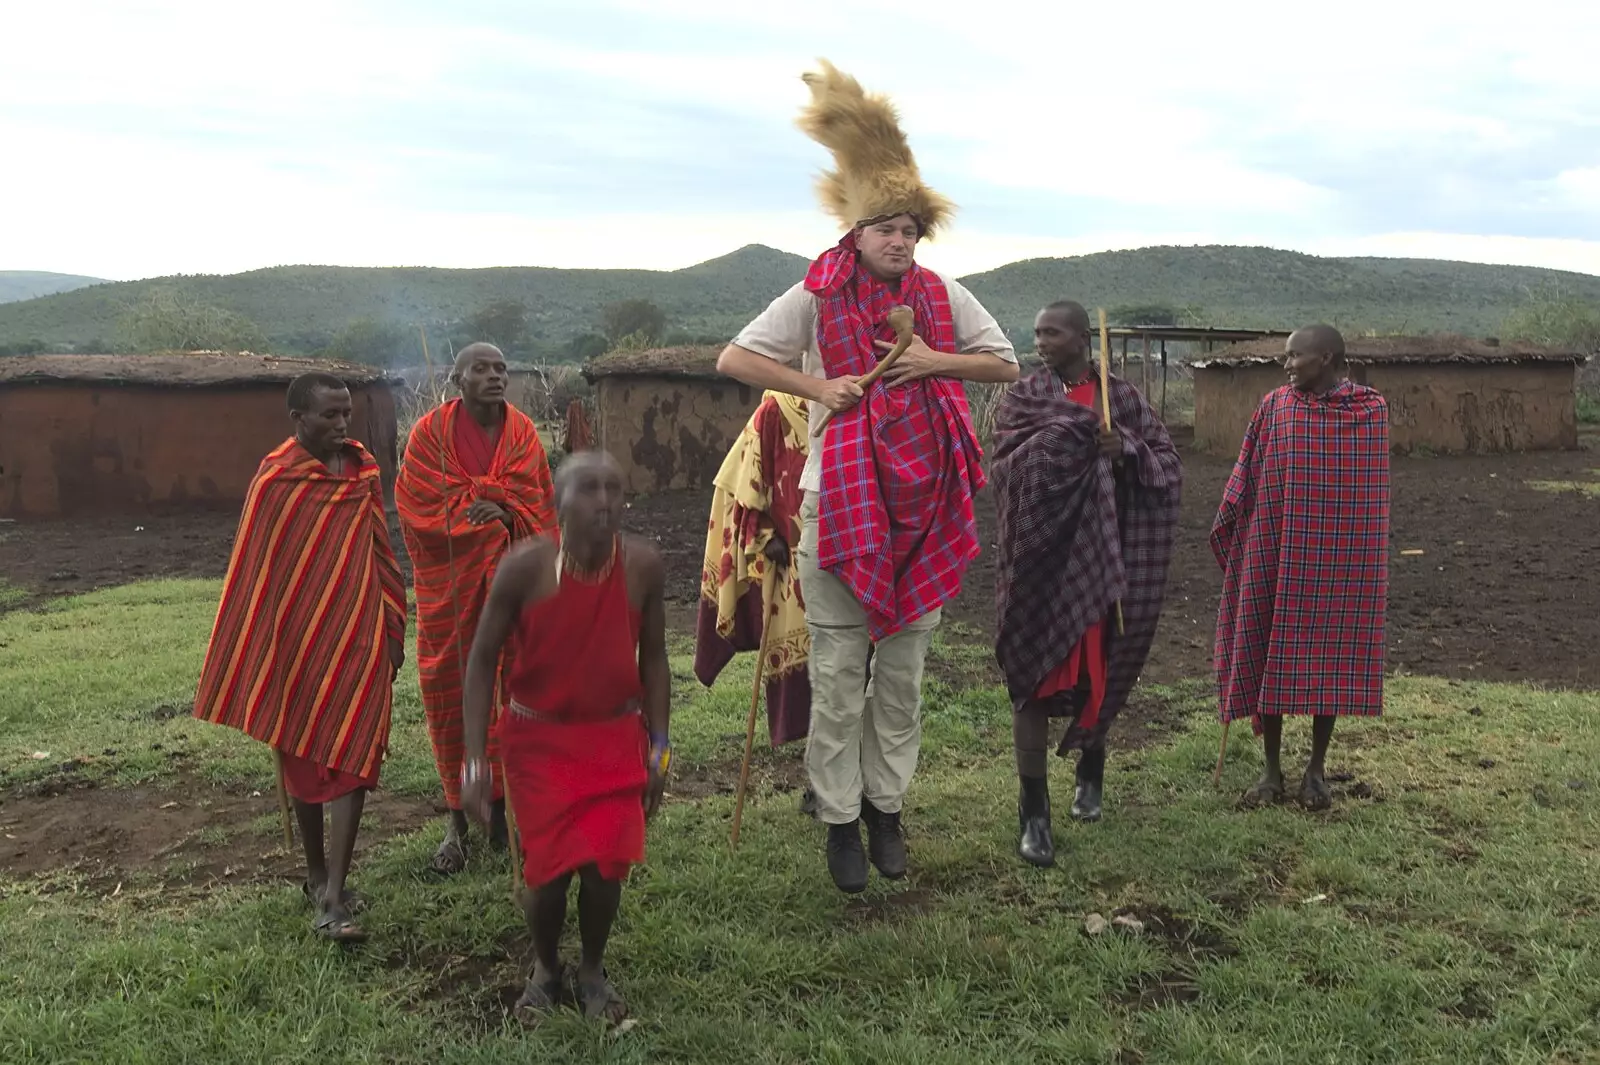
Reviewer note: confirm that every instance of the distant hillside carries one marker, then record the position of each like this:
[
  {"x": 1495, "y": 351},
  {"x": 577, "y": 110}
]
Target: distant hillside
[
  {"x": 27, "y": 284},
  {"x": 300, "y": 307},
  {"x": 1262, "y": 288}
]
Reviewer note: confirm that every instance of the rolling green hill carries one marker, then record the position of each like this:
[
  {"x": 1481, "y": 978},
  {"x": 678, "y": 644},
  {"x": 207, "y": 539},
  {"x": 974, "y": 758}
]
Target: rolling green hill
[
  {"x": 300, "y": 307},
  {"x": 28, "y": 284}
]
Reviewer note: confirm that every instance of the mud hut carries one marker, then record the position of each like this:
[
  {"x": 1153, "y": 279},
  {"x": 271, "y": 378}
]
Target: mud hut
[
  {"x": 667, "y": 415},
  {"x": 1445, "y": 393},
  {"x": 85, "y": 435}
]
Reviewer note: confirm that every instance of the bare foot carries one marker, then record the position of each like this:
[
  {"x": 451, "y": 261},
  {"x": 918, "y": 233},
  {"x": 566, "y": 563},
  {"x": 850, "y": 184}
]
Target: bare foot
[
  {"x": 1314, "y": 792},
  {"x": 1264, "y": 792}
]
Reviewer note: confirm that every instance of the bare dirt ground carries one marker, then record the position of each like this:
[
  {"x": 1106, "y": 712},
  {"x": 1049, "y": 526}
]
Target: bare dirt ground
[{"x": 1504, "y": 590}]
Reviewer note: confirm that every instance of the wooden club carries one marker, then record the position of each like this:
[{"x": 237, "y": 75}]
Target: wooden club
[
  {"x": 769, "y": 596},
  {"x": 1105, "y": 406},
  {"x": 903, "y": 321}
]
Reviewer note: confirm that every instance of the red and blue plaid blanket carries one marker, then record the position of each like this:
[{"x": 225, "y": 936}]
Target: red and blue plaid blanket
[{"x": 895, "y": 516}]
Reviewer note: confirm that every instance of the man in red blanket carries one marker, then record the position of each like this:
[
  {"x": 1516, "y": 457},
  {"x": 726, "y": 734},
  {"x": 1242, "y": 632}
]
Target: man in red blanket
[
  {"x": 585, "y": 740},
  {"x": 886, "y": 512},
  {"x": 475, "y": 479},
  {"x": 1303, "y": 540},
  {"x": 1086, "y": 522},
  {"x": 310, "y": 633}
]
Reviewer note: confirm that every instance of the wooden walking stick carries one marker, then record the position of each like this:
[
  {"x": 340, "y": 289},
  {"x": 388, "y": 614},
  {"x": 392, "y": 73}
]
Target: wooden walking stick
[
  {"x": 461, "y": 667},
  {"x": 769, "y": 598},
  {"x": 1216, "y": 774},
  {"x": 904, "y": 322},
  {"x": 283, "y": 801},
  {"x": 1105, "y": 406}
]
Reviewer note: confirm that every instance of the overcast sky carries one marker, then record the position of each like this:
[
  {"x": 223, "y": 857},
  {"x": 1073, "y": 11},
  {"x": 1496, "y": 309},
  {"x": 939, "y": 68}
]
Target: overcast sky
[{"x": 146, "y": 137}]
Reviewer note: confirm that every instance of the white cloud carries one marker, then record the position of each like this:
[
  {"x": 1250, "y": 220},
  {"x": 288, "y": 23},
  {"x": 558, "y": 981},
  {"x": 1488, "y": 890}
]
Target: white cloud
[{"x": 187, "y": 135}]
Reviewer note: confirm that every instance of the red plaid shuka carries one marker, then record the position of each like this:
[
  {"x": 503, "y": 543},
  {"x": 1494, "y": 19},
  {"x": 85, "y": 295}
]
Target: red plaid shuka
[
  {"x": 1303, "y": 541},
  {"x": 895, "y": 517},
  {"x": 1076, "y": 535}
]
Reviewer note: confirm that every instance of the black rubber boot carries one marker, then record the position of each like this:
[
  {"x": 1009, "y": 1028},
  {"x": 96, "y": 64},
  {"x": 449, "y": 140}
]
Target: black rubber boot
[
  {"x": 846, "y": 860},
  {"x": 1038, "y": 847},
  {"x": 886, "y": 844},
  {"x": 1091, "y": 779}
]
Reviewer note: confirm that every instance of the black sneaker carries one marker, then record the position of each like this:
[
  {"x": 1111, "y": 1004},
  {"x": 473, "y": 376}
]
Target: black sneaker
[
  {"x": 885, "y": 842},
  {"x": 846, "y": 861},
  {"x": 1037, "y": 846}
]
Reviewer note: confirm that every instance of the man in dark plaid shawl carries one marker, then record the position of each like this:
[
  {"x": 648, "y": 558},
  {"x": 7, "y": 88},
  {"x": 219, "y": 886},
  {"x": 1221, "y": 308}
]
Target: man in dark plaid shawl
[
  {"x": 1086, "y": 521},
  {"x": 887, "y": 522},
  {"x": 1303, "y": 540}
]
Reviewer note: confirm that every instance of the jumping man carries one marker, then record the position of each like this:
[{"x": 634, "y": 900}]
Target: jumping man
[
  {"x": 1303, "y": 540},
  {"x": 475, "y": 480},
  {"x": 887, "y": 516},
  {"x": 1086, "y": 522},
  {"x": 585, "y": 740},
  {"x": 310, "y": 633}
]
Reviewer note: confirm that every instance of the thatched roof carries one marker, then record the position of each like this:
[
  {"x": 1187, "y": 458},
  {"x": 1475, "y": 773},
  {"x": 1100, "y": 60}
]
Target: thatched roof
[
  {"x": 1427, "y": 349},
  {"x": 693, "y": 362},
  {"x": 197, "y": 369}
]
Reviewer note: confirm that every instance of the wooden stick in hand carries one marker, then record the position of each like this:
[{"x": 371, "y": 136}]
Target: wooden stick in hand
[
  {"x": 903, "y": 322},
  {"x": 1105, "y": 405}
]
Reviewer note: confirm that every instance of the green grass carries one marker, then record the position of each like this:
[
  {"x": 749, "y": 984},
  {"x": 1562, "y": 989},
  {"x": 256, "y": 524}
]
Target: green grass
[
  {"x": 1588, "y": 409},
  {"x": 1450, "y": 916},
  {"x": 11, "y": 595},
  {"x": 1588, "y": 488}
]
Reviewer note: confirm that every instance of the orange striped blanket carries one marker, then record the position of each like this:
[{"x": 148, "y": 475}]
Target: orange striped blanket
[
  {"x": 453, "y": 561},
  {"x": 299, "y": 654}
]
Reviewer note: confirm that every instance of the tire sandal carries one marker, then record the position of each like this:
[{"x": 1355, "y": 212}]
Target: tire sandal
[
  {"x": 600, "y": 1001},
  {"x": 538, "y": 1000},
  {"x": 338, "y": 929},
  {"x": 450, "y": 858}
]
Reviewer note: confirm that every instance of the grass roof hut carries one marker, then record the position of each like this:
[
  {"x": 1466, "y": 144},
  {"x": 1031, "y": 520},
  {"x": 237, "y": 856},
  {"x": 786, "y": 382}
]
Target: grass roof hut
[
  {"x": 1445, "y": 393},
  {"x": 90, "y": 435},
  {"x": 666, "y": 414}
]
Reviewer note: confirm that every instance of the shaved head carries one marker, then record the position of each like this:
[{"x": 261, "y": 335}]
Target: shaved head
[
  {"x": 576, "y": 466},
  {"x": 1077, "y": 317},
  {"x": 1317, "y": 340},
  {"x": 479, "y": 350}
]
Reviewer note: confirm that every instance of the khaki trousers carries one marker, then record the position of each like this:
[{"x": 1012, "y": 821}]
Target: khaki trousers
[{"x": 866, "y": 725}]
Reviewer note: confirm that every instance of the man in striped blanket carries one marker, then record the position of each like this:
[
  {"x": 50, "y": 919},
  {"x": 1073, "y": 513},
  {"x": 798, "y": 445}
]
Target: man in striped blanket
[
  {"x": 1303, "y": 540},
  {"x": 475, "y": 480},
  {"x": 310, "y": 633},
  {"x": 1086, "y": 522}
]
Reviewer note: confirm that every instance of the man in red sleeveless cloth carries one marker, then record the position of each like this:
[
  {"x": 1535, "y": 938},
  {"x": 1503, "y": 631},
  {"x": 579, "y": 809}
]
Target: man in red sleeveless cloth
[
  {"x": 887, "y": 520},
  {"x": 310, "y": 633},
  {"x": 585, "y": 738},
  {"x": 475, "y": 479},
  {"x": 1087, "y": 516},
  {"x": 1302, "y": 537}
]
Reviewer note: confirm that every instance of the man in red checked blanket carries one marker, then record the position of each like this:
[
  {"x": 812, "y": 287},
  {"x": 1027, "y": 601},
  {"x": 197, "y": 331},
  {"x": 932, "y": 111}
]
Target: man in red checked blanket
[
  {"x": 1303, "y": 541},
  {"x": 887, "y": 524}
]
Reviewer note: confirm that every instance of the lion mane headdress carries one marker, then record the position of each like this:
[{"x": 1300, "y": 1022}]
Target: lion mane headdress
[{"x": 875, "y": 175}]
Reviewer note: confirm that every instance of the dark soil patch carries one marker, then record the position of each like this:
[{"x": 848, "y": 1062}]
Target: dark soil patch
[
  {"x": 475, "y": 990},
  {"x": 189, "y": 833},
  {"x": 1152, "y": 991},
  {"x": 1474, "y": 1005},
  {"x": 1181, "y": 935},
  {"x": 877, "y": 909},
  {"x": 782, "y": 771}
]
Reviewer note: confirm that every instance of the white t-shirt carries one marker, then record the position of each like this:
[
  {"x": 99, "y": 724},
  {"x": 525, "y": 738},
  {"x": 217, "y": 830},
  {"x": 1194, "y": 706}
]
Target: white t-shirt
[{"x": 787, "y": 333}]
